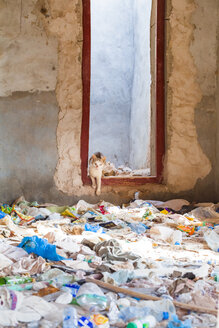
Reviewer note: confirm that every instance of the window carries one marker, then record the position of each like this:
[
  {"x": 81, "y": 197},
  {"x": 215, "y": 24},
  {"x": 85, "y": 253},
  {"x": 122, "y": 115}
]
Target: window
[{"x": 103, "y": 77}]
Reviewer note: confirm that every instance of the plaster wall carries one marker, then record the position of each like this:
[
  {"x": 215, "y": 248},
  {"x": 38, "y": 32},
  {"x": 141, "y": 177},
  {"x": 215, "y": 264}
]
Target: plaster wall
[
  {"x": 140, "y": 120},
  {"x": 28, "y": 55},
  {"x": 184, "y": 154},
  {"x": 189, "y": 168},
  {"x": 217, "y": 112},
  {"x": 28, "y": 153},
  {"x": 112, "y": 58},
  {"x": 206, "y": 111}
]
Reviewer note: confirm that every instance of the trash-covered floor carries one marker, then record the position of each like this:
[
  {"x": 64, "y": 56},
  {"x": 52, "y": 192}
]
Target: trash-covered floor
[{"x": 144, "y": 264}]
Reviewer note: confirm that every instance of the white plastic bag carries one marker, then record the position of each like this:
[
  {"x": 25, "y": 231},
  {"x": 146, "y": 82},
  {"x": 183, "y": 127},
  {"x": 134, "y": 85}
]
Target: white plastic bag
[{"x": 166, "y": 234}]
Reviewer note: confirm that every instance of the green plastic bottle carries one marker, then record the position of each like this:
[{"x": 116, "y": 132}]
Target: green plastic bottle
[
  {"x": 216, "y": 277},
  {"x": 15, "y": 280},
  {"x": 148, "y": 322}
]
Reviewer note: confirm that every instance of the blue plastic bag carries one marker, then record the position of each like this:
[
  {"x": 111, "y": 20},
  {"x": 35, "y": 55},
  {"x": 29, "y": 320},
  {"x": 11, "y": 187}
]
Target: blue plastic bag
[
  {"x": 2, "y": 215},
  {"x": 138, "y": 228},
  {"x": 176, "y": 323},
  {"x": 93, "y": 228},
  {"x": 40, "y": 247}
]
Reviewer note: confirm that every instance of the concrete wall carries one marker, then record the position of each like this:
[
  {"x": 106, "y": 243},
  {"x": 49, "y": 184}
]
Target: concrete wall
[
  {"x": 191, "y": 161},
  {"x": 112, "y": 58},
  {"x": 28, "y": 54},
  {"x": 140, "y": 120},
  {"x": 217, "y": 115},
  {"x": 206, "y": 111},
  {"x": 28, "y": 153}
]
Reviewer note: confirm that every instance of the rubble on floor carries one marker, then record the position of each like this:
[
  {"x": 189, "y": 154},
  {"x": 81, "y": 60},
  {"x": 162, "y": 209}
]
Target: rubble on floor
[
  {"x": 122, "y": 170},
  {"x": 145, "y": 264}
]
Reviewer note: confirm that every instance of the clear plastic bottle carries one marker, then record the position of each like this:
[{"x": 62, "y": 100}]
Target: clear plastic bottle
[
  {"x": 70, "y": 317},
  {"x": 166, "y": 306},
  {"x": 91, "y": 298},
  {"x": 133, "y": 312},
  {"x": 15, "y": 280},
  {"x": 149, "y": 322},
  {"x": 33, "y": 324},
  {"x": 212, "y": 239},
  {"x": 176, "y": 237}
]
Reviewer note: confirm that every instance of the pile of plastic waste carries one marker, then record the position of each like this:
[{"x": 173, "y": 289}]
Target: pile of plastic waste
[{"x": 144, "y": 264}]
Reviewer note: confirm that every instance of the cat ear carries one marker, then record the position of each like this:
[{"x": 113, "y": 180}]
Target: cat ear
[
  {"x": 94, "y": 157},
  {"x": 104, "y": 159}
]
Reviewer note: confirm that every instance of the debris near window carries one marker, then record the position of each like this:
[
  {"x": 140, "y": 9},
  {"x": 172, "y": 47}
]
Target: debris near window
[
  {"x": 146, "y": 264},
  {"x": 122, "y": 170}
]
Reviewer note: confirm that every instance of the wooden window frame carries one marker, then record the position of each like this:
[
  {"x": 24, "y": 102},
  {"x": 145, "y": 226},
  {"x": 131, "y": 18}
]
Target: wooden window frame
[{"x": 160, "y": 101}]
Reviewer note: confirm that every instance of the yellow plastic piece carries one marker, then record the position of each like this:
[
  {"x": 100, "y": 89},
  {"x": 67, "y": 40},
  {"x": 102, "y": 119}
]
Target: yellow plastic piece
[{"x": 164, "y": 212}]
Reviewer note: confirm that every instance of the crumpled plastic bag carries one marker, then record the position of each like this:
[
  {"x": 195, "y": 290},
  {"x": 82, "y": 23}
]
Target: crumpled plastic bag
[
  {"x": 119, "y": 277},
  {"x": 4, "y": 261},
  {"x": 175, "y": 204},
  {"x": 2, "y": 214},
  {"x": 26, "y": 265},
  {"x": 70, "y": 211},
  {"x": 111, "y": 251},
  {"x": 204, "y": 213},
  {"x": 40, "y": 247},
  {"x": 35, "y": 212},
  {"x": 176, "y": 323}
]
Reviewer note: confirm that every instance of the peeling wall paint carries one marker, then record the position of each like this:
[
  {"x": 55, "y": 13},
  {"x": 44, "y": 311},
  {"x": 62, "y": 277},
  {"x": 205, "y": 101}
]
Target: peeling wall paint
[{"x": 190, "y": 85}]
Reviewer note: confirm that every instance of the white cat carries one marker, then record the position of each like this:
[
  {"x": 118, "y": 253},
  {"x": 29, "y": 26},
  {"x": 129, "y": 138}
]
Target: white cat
[{"x": 96, "y": 166}]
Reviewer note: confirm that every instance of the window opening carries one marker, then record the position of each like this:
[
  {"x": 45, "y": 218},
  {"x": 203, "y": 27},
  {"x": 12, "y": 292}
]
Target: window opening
[{"x": 123, "y": 88}]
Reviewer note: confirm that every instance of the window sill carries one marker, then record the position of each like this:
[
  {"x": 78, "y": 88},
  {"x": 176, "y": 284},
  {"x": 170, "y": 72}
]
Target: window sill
[{"x": 131, "y": 181}]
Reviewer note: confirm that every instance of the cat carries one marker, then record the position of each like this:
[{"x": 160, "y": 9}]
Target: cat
[{"x": 96, "y": 166}]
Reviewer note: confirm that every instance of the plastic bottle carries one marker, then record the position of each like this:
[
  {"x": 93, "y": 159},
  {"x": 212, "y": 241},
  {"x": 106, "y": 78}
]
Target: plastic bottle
[
  {"x": 72, "y": 288},
  {"x": 132, "y": 312},
  {"x": 164, "y": 306},
  {"x": 100, "y": 321},
  {"x": 70, "y": 317},
  {"x": 162, "y": 232},
  {"x": 149, "y": 322},
  {"x": 216, "y": 277},
  {"x": 57, "y": 276},
  {"x": 91, "y": 297},
  {"x": 20, "y": 287},
  {"x": 212, "y": 239},
  {"x": 215, "y": 273},
  {"x": 15, "y": 280},
  {"x": 176, "y": 237},
  {"x": 33, "y": 324},
  {"x": 85, "y": 322}
]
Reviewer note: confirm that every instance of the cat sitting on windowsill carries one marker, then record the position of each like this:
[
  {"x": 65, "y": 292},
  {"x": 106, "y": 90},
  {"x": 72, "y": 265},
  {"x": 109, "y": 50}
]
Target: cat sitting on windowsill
[{"x": 96, "y": 166}]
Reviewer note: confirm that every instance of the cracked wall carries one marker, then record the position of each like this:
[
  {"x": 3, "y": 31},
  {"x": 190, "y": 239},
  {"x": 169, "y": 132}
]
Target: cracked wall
[{"x": 52, "y": 29}]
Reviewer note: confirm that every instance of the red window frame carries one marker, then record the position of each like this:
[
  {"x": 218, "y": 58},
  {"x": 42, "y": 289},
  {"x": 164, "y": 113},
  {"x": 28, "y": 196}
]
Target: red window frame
[{"x": 160, "y": 101}]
